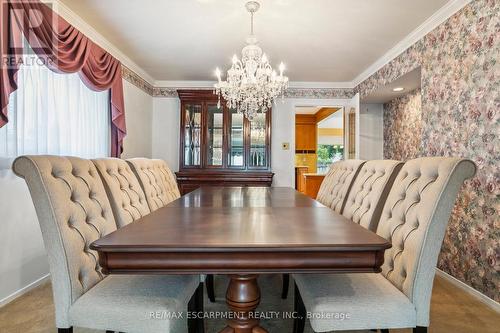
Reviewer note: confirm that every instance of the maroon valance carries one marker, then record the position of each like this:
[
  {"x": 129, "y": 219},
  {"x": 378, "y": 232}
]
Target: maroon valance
[{"x": 63, "y": 49}]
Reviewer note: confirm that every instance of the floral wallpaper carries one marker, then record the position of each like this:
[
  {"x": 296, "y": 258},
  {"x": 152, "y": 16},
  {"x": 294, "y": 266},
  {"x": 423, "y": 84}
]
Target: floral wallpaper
[
  {"x": 402, "y": 126},
  {"x": 460, "y": 116}
]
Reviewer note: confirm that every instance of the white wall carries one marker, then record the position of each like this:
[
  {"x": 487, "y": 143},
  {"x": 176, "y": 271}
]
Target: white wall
[
  {"x": 371, "y": 134},
  {"x": 166, "y": 131},
  {"x": 22, "y": 254},
  {"x": 330, "y": 140},
  {"x": 139, "y": 112}
]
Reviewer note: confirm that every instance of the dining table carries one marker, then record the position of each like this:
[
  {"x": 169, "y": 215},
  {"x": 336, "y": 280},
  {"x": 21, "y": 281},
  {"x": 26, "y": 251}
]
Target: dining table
[{"x": 241, "y": 232}]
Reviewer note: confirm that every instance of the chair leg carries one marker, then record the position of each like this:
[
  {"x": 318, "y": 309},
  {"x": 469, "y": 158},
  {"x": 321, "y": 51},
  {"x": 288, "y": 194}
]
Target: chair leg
[
  {"x": 200, "y": 324},
  {"x": 209, "y": 281},
  {"x": 65, "y": 330},
  {"x": 286, "y": 283},
  {"x": 195, "y": 306},
  {"x": 300, "y": 312},
  {"x": 420, "y": 329}
]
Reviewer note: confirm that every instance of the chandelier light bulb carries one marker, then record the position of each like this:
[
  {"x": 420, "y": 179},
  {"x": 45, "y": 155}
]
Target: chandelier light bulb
[
  {"x": 264, "y": 58},
  {"x": 218, "y": 73},
  {"x": 282, "y": 68},
  {"x": 235, "y": 59}
]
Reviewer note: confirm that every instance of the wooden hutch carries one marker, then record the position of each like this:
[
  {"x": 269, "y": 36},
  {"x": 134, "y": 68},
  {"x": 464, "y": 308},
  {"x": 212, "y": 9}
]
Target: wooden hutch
[{"x": 219, "y": 147}]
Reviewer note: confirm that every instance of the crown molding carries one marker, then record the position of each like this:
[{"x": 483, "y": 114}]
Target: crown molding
[
  {"x": 97, "y": 38},
  {"x": 293, "y": 84},
  {"x": 440, "y": 16},
  {"x": 164, "y": 88}
]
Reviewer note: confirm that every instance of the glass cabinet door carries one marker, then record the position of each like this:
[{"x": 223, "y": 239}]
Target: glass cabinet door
[
  {"x": 192, "y": 134},
  {"x": 258, "y": 148},
  {"x": 236, "y": 140},
  {"x": 215, "y": 135}
]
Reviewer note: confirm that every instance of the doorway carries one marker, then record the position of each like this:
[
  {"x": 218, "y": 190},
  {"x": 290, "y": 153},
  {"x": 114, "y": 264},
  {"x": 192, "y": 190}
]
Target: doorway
[
  {"x": 319, "y": 137},
  {"x": 319, "y": 142}
]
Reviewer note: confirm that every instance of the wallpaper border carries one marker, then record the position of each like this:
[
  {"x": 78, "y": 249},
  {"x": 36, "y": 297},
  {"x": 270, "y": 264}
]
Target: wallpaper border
[{"x": 171, "y": 92}]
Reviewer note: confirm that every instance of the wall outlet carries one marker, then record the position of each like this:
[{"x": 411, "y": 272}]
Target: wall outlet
[{"x": 285, "y": 146}]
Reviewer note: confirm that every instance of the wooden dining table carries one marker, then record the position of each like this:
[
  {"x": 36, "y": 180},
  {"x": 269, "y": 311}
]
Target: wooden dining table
[{"x": 241, "y": 232}]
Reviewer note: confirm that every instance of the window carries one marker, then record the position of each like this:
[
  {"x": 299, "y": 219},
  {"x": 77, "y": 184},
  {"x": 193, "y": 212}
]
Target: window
[
  {"x": 328, "y": 154},
  {"x": 55, "y": 114}
]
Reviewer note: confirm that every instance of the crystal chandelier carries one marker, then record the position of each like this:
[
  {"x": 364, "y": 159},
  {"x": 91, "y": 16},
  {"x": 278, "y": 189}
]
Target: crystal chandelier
[{"x": 251, "y": 85}]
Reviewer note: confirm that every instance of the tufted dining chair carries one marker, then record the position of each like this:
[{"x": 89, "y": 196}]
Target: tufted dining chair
[
  {"x": 73, "y": 211},
  {"x": 414, "y": 220},
  {"x": 369, "y": 192},
  {"x": 157, "y": 181},
  {"x": 332, "y": 193},
  {"x": 126, "y": 196},
  {"x": 335, "y": 187},
  {"x": 160, "y": 187}
]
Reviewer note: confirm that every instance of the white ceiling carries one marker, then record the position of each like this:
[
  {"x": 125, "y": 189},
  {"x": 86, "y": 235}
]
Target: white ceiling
[{"x": 319, "y": 40}]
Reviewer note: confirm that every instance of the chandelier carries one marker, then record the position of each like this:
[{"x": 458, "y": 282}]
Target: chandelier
[{"x": 251, "y": 85}]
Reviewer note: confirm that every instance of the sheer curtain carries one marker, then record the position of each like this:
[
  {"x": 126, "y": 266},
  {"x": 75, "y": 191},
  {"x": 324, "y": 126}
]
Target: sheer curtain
[{"x": 55, "y": 114}]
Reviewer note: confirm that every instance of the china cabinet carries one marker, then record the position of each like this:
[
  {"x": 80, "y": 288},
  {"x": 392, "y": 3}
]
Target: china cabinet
[{"x": 220, "y": 147}]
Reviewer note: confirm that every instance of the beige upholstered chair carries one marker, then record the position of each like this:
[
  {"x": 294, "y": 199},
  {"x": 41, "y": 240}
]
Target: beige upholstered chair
[
  {"x": 333, "y": 193},
  {"x": 369, "y": 192},
  {"x": 157, "y": 181},
  {"x": 126, "y": 196},
  {"x": 73, "y": 211},
  {"x": 414, "y": 219},
  {"x": 335, "y": 187},
  {"x": 160, "y": 187}
]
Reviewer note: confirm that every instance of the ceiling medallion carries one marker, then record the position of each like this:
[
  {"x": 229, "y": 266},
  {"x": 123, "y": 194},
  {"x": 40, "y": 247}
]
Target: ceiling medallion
[{"x": 251, "y": 85}]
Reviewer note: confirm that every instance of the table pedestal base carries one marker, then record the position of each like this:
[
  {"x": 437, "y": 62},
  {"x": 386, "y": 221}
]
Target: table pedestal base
[{"x": 243, "y": 297}]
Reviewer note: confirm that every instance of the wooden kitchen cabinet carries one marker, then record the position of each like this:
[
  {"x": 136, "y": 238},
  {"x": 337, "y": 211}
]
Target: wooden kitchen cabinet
[{"x": 305, "y": 133}]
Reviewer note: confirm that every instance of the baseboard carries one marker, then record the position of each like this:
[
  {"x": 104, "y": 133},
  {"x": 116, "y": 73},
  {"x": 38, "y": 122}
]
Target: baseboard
[
  {"x": 471, "y": 291},
  {"x": 24, "y": 290}
]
